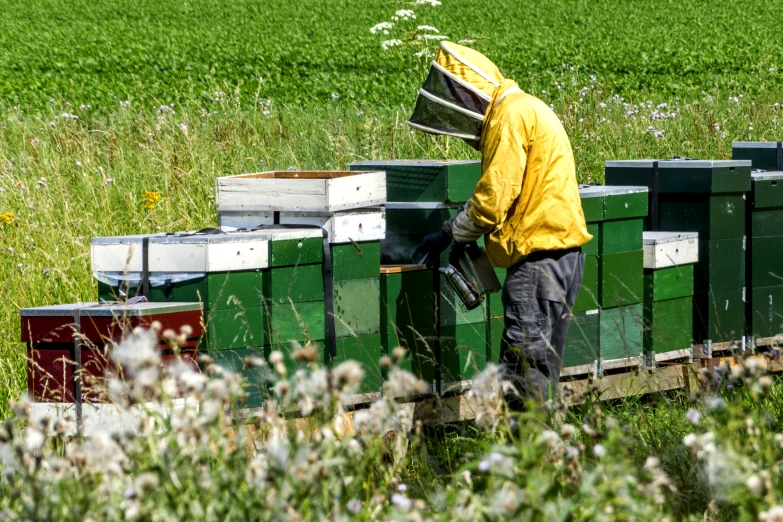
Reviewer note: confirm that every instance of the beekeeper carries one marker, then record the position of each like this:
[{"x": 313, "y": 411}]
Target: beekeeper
[{"x": 526, "y": 205}]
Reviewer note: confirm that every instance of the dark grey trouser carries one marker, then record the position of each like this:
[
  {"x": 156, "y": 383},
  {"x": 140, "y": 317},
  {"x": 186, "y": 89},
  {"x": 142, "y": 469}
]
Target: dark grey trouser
[{"x": 538, "y": 295}]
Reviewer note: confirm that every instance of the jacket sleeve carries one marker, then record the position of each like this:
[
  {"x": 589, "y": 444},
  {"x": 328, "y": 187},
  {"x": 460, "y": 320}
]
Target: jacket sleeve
[
  {"x": 504, "y": 163},
  {"x": 462, "y": 229}
]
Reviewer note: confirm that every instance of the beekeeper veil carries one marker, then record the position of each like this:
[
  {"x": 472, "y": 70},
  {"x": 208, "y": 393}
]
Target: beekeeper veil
[{"x": 457, "y": 93}]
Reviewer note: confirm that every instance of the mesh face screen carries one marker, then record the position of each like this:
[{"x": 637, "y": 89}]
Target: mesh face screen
[
  {"x": 447, "y": 88},
  {"x": 444, "y": 120}
]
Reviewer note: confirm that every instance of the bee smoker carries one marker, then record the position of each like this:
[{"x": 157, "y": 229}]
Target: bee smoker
[{"x": 470, "y": 275}]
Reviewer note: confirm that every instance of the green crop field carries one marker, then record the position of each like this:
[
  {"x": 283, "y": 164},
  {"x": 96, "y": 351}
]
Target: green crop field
[{"x": 117, "y": 116}]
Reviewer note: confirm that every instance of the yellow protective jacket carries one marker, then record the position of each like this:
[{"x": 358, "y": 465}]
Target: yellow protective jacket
[{"x": 527, "y": 197}]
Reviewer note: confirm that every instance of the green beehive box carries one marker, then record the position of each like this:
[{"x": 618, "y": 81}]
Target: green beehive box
[
  {"x": 668, "y": 325},
  {"x": 605, "y": 203},
  {"x": 357, "y": 309},
  {"x": 582, "y": 343},
  {"x": 295, "y": 284},
  {"x": 592, "y": 248},
  {"x": 427, "y": 180},
  {"x": 766, "y": 311},
  {"x": 421, "y": 357},
  {"x": 721, "y": 265},
  {"x": 453, "y": 312},
  {"x": 621, "y": 235},
  {"x": 356, "y": 260},
  {"x": 589, "y": 293},
  {"x": 256, "y": 379},
  {"x": 232, "y": 329},
  {"x": 366, "y": 350},
  {"x": 713, "y": 216},
  {"x": 765, "y": 155},
  {"x": 300, "y": 322},
  {"x": 668, "y": 283},
  {"x": 290, "y": 252},
  {"x": 681, "y": 175},
  {"x": 407, "y": 297},
  {"x": 620, "y": 332},
  {"x": 463, "y": 352},
  {"x": 767, "y": 222},
  {"x": 495, "y": 329},
  {"x": 416, "y": 219},
  {"x": 767, "y": 189},
  {"x": 719, "y": 316},
  {"x": 621, "y": 278},
  {"x": 766, "y": 265}
]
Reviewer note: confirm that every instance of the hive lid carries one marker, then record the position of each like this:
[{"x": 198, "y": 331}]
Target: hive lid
[
  {"x": 677, "y": 163},
  {"x": 419, "y": 205},
  {"x": 228, "y": 236},
  {"x": 412, "y": 163},
  {"x": 111, "y": 309},
  {"x": 754, "y": 145},
  {"x": 597, "y": 191},
  {"x": 657, "y": 238},
  {"x": 763, "y": 175}
]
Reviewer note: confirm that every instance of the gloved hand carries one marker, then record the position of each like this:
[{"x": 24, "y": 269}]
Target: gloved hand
[
  {"x": 455, "y": 252},
  {"x": 432, "y": 246}
]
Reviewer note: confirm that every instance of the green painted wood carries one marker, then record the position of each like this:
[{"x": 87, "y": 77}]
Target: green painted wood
[
  {"x": 287, "y": 349},
  {"x": 227, "y": 290},
  {"x": 420, "y": 344},
  {"x": 216, "y": 290},
  {"x": 232, "y": 329},
  {"x": 494, "y": 305},
  {"x": 407, "y": 300},
  {"x": 357, "y": 307},
  {"x": 716, "y": 216},
  {"x": 765, "y": 312},
  {"x": 767, "y": 193},
  {"x": 453, "y": 312},
  {"x": 621, "y": 332},
  {"x": 668, "y": 325},
  {"x": 592, "y": 247},
  {"x": 589, "y": 293},
  {"x": 495, "y": 330},
  {"x": 297, "y": 284},
  {"x": 621, "y": 278},
  {"x": 356, "y": 260},
  {"x": 294, "y": 322},
  {"x": 426, "y": 180},
  {"x": 668, "y": 283},
  {"x": 766, "y": 223},
  {"x": 256, "y": 380},
  {"x": 463, "y": 350},
  {"x": 593, "y": 209},
  {"x": 290, "y": 252},
  {"x": 582, "y": 343},
  {"x": 366, "y": 350},
  {"x": 682, "y": 180},
  {"x": 415, "y": 220},
  {"x": 766, "y": 265},
  {"x": 622, "y": 235},
  {"x": 719, "y": 316},
  {"x": 625, "y": 206},
  {"x": 763, "y": 157},
  {"x": 721, "y": 265}
]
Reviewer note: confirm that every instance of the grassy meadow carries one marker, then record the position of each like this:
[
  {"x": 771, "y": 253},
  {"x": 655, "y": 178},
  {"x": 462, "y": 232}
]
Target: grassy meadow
[{"x": 116, "y": 118}]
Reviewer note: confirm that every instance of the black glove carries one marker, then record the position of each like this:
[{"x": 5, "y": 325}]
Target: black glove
[
  {"x": 432, "y": 246},
  {"x": 455, "y": 252}
]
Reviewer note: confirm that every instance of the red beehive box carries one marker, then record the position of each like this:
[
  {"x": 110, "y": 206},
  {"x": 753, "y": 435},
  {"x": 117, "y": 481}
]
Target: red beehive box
[{"x": 52, "y": 356}]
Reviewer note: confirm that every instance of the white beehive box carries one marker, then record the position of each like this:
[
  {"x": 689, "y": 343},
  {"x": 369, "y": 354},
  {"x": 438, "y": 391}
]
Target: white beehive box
[
  {"x": 301, "y": 191},
  {"x": 346, "y": 226},
  {"x": 190, "y": 252},
  {"x": 665, "y": 249}
]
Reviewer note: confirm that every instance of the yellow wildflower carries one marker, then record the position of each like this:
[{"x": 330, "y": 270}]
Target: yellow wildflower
[
  {"x": 150, "y": 200},
  {"x": 7, "y": 217}
]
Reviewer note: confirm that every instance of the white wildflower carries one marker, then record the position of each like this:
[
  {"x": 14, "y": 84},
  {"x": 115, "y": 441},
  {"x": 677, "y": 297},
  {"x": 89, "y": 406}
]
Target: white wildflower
[
  {"x": 404, "y": 14},
  {"x": 382, "y": 27},
  {"x": 427, "y": 28},
  {"x": 693, "y": 416},
  {"x": 433, "y": 3},
  {"x": 347, "y": 376},
  {"x": 401, "y": 501},
  {"x": 773, "y": 514},
  {"x": 387, "y": 44},
  {"x": 33, "y": 439},
  {"x": 599, "y": 451},
  {"x": 183, "y": 128}
]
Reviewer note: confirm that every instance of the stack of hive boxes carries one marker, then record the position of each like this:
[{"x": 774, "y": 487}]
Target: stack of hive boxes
[
  {"x": 669, "y": 258},
  {"x": 243, "y": 279},
  {"x": 764, "y": 224},
  {"x": 347, "y": 205},
  {"x": 613, "y": 277},
  {"x": 421, "y": 195},
  {"x": 707, "y": 197}
]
